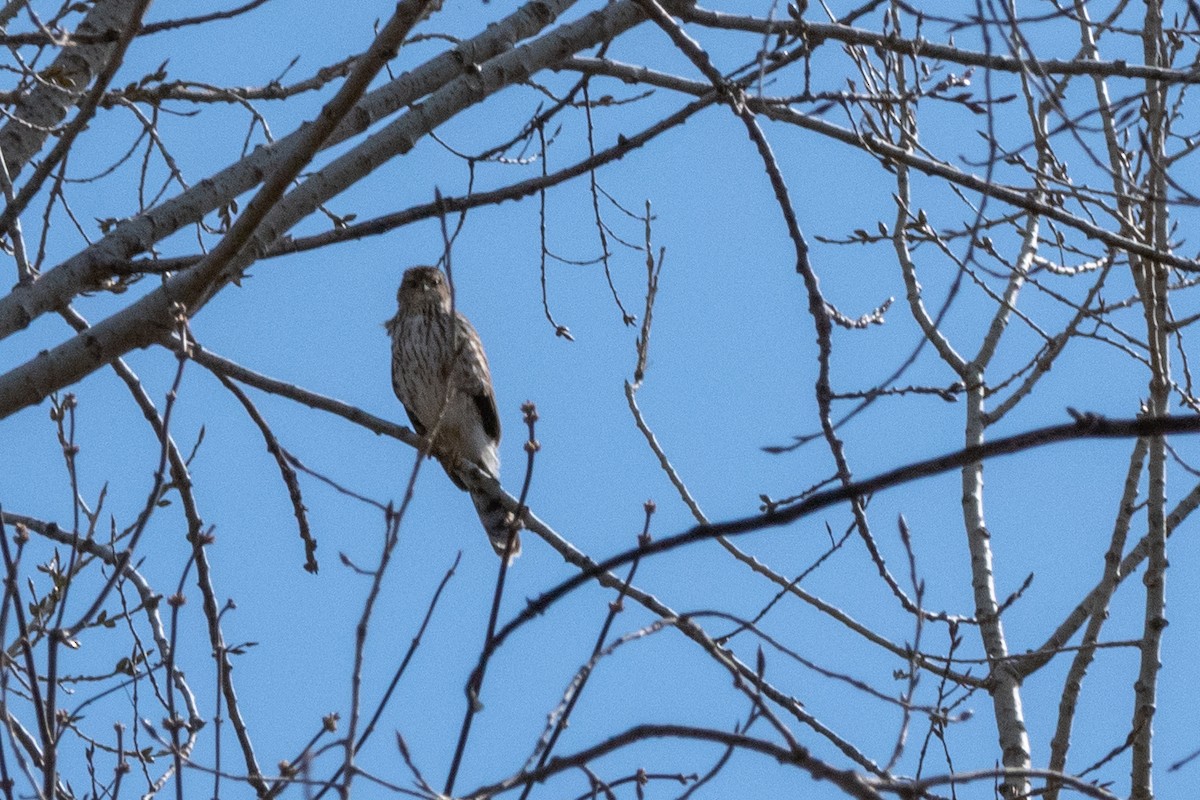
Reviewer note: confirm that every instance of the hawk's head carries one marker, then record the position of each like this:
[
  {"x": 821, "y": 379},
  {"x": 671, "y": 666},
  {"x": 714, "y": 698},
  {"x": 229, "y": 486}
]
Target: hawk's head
[{"x": 423, "y": 289}]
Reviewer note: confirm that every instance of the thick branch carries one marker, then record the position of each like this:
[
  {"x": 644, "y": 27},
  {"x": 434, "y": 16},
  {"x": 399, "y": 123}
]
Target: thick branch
[
  {"x": 90, "y": 267},
  {"x": 44, "y": 107}
]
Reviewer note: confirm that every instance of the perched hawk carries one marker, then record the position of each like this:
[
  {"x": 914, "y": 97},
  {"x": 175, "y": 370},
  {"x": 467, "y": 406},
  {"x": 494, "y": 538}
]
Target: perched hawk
[{"x": 440, "y": 374}]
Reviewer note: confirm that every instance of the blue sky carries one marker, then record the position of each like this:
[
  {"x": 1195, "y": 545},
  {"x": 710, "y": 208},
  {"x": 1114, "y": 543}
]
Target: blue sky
[{"x": 732, "y": 367}]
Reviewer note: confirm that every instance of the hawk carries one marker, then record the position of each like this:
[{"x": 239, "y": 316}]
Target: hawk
[{"x": 440, "y": 374}]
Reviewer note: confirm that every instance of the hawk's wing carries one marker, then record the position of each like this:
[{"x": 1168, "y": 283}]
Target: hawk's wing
[
  {"x": 486, "y": 403},
  {"x": 476, "y": 379}
]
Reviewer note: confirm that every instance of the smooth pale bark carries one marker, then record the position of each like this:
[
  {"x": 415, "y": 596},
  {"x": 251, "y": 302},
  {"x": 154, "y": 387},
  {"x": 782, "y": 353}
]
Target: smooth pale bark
[
  {"x": 62, "y": 83},
  {"x": 87, "y": 269}
]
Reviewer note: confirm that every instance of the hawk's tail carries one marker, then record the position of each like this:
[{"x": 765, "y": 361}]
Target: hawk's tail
[{"x": 498, "y": 523}]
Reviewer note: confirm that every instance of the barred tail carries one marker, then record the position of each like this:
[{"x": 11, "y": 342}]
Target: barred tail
[{"x": 498, "y": 523}]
